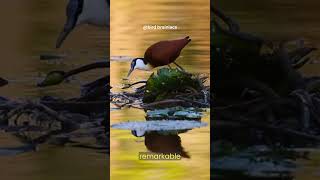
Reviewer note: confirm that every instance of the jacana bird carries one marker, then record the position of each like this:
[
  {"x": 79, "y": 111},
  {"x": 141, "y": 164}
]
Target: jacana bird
[
  {"x": 160, "y": 54},
  {"x": 93, "y": 12}
]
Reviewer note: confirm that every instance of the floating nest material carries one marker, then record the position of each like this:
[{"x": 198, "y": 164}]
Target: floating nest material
[
  {"x": 166, "y": 88},
  {"x": 79, "y": 121},
  {"x": 35, "y": 123},
  {"x": 175, "y": 113}
]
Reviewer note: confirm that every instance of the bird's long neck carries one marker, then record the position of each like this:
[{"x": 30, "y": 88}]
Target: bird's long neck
[{"x": 88, "y": 67}]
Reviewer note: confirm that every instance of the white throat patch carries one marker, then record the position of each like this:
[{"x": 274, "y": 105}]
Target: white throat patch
[{"x": 140, "y": 65}]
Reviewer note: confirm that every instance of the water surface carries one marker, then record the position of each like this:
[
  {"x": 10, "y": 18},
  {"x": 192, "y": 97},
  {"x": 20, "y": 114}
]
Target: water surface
[{"x": 129, "y": 40}]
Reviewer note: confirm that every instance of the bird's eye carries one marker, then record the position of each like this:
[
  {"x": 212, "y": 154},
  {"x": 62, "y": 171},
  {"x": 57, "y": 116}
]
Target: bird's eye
[{"x": 133, "y": 63}]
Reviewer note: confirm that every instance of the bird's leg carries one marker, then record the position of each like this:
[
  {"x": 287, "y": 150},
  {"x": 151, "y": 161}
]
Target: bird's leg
[{"x": 179, "y": 66}]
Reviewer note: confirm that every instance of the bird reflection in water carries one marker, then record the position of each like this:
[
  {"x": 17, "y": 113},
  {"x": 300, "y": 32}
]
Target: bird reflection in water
[
  {"x": 163, "y": 142},
  {"x": 170, "y": 143}
]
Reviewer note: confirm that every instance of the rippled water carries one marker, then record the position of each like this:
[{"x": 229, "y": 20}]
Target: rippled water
[
  {"x": 29, "y": 29},
  {"x": 282, "y": 20},
  {"x": 129, "y": 40}
]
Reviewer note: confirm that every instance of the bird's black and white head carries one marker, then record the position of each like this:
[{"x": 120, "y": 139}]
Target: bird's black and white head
[
  {"x": 94, "y": 12},
  {"x": 139, "y": 63}
]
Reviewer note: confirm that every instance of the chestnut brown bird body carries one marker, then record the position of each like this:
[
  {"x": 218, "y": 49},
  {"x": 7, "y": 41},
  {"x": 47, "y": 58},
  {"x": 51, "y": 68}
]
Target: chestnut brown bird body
[
  {"x": 165, "y": 52},
  {"x": 160, "y": 54}
]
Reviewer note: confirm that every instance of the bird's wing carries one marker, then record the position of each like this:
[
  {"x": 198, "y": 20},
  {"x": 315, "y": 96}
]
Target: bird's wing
[{"x": 158, "y": 54}]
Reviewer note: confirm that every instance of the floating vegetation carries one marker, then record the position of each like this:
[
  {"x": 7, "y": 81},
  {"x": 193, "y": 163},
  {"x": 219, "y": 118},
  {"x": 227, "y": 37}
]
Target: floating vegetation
[
  {"x": 174, "y": 113},
  {"x": 166, "y": 88},
  {"x": 78, "y": 122},
  {"x": 174, "y": 102},
  {"x": 168, "y": 121},
  {"x": 168, "y": 83},
  {"x": 164, "y": 125},
  {"x": 35, "y": 123},
  {"x": 140, "y": 128}
]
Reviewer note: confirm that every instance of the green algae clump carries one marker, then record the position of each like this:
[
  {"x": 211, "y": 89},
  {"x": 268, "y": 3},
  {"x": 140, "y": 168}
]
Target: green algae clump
[{"x": 168, "y": 83}]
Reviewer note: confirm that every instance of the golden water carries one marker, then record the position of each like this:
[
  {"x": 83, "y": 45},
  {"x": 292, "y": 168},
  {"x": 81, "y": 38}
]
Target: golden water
[{"x": 129, "y": 40}]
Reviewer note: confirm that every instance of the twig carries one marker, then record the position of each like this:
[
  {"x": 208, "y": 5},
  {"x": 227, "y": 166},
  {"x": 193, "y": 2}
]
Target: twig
[
  {"x": 51, "y": 112},
  {"x": 233, "y": 25},
  {"x": 130, "y": 85},
  {"x": 195, "y": 102},
  {"x": 301, "y": 63}
]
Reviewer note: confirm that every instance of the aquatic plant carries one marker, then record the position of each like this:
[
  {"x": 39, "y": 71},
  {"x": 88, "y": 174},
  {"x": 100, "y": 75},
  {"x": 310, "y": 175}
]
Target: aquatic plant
[
  {"x": 52, "y": 78},
  {"x": 59, "y": 121},
  {"x": 174, "y": 113},
  {"x": 168, "y": 83},
  {"x": 166, "y": 88},
  {"x": 35, "y": 123}
]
